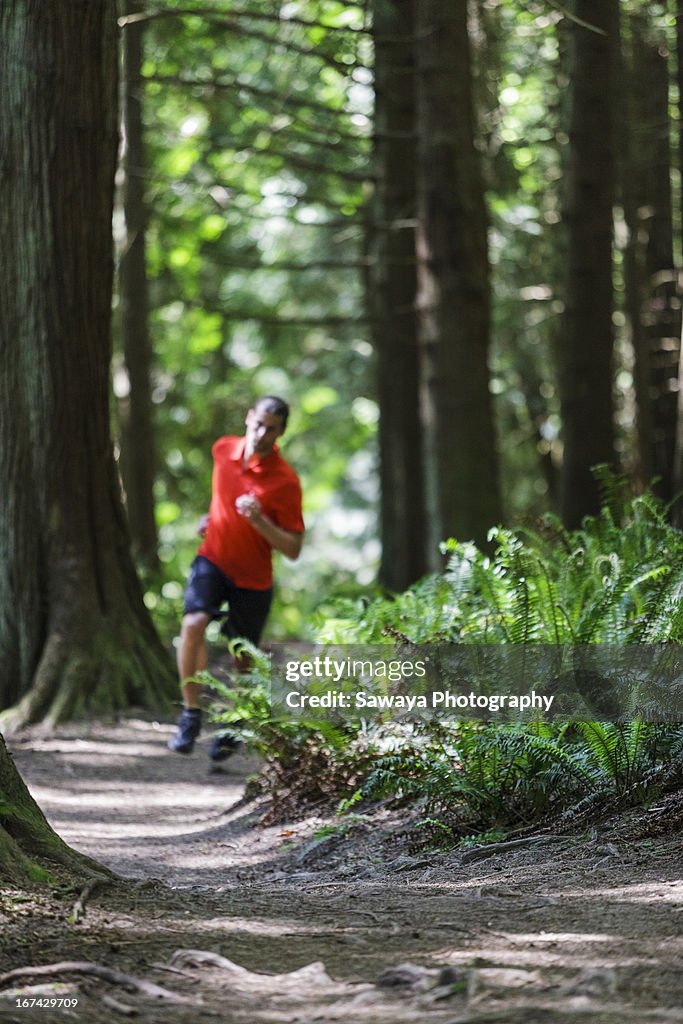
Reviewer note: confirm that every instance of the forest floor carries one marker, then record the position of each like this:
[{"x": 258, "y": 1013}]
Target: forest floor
[{"x": 326, "y": 920}]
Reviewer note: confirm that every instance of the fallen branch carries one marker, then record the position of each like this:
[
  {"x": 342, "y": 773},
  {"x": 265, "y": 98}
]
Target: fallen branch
[
  {"x": 147, "y": 988},
  {"x": 491, "y": 849}
]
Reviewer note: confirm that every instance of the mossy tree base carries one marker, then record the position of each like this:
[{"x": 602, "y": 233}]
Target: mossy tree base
[
  {"x": 30, "y": 850},
  {"x": 112, "y": 671}
]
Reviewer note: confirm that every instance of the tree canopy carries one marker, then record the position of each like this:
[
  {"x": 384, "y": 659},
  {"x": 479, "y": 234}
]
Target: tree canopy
[{"x": 282, "y": 192}]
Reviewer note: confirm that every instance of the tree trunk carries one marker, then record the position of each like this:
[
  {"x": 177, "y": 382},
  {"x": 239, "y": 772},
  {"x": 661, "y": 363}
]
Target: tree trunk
[
  {"x": 138, "y": 462},
  {"x": 28, "y": 845},
  {"x": 586, "y": 348},
  {"x": 678, "y": 449},
  {"x": 652, "y": 293},
  {"x": 74, "y": 632},
  {"x": 453, "y": 273},
  {"x": 392, "y": 292}
]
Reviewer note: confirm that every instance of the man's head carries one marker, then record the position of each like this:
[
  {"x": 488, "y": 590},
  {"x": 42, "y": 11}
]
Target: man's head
[{"x": 266, "y": 421}]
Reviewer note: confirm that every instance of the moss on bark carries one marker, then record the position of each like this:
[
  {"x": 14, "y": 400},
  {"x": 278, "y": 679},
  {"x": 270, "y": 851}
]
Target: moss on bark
[{"x": 30, "y": 849}]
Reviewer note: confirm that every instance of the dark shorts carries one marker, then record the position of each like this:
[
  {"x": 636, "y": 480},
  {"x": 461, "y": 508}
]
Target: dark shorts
[{"x": 208, "y": 590}]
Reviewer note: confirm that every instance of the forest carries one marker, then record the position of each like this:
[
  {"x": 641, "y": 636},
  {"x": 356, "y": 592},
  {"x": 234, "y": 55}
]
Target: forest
[{"x": 450, "y": 237}]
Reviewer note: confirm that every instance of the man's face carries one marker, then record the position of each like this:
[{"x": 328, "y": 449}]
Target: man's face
[{"x": 263, "y": 429}]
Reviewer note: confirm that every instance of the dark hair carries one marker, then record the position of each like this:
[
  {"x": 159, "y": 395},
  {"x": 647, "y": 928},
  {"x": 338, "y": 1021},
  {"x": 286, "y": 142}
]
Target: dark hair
[{"x": 275, "y": 406}]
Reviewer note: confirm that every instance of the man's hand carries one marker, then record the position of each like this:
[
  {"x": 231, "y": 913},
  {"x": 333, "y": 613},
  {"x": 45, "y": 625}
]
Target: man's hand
[
  {"x": 249, "y": 506},
  {"x": 288, "y": 543}
]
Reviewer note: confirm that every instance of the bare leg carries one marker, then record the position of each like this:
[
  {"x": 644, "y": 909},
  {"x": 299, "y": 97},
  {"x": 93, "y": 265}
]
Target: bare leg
[{"x": 192, "y": 655}]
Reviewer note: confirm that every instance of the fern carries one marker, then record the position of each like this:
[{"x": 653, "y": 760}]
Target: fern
[
  {"x": 622, "y": 754},
  {"x": 618, "y": 580}
]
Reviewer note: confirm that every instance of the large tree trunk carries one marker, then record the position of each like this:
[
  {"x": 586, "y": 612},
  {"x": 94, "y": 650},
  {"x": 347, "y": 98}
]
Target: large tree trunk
[
  {"x": 453, "y": 273},
  {"x": 587, "y": 345},
  {"x": 392, "y": 292},
  {"x": 28, "y": 845},
  {"x": 652, "y": 293},
  {"x": 678, "y": 448},
  {"x": 138, "y": 461},
  {"x": 74, "y": 632}
]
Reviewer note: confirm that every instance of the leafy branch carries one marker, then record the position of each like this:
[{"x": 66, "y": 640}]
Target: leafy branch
[
  {"x": 230, "y": 23},
  {"x": 211, "y": 12}
]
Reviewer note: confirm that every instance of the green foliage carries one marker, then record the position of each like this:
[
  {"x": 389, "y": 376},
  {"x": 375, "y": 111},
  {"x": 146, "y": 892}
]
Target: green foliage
[
  {"x": 497, "y": 777},
  {"x": 258, "y": 140},
  {"x": 307, "y": 763},
  {"x": 617, "y": 580},
  {"x": 522, "y": 79},
  {"x": 40, "y": 875},
  {"x": 484, "y": 774},
  {"x": 258, "y": 128},
  {"x": 259, "y": 148},
  {"x": 623, "y": 757},
  {"x": 481, "y": 839}
]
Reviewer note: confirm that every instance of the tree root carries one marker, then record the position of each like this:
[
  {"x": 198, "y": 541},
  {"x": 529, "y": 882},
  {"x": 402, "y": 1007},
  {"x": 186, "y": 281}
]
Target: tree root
[
  {"x": 146, "y": 988},
  {"x": 118, "y": 1007},
  {"x": 79, "y": 906}
]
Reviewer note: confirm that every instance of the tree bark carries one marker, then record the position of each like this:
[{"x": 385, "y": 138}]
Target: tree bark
[
  {"x": 678, "y": 449},
  {"x": 138, "y": 460},
  {"x": 453, "y": 274},
  {"x": 74, "y": 632},
  {"x": 586, "y": 349},
  {"x": 28, "y": 845},
  {"x": 392, "y": 293},
  {"x": 652, "y": 293}
]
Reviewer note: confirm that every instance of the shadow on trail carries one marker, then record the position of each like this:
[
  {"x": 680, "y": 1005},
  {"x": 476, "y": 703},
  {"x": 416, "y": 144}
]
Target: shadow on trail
[{"x": 583, "y": 927}]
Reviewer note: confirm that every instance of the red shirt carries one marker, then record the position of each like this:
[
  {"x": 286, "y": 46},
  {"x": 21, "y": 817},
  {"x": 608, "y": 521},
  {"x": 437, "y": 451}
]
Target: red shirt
[{"x": 231, "y": 542}]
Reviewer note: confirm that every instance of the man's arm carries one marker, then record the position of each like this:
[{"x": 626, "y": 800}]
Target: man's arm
[{"x": 285, "y": 541}]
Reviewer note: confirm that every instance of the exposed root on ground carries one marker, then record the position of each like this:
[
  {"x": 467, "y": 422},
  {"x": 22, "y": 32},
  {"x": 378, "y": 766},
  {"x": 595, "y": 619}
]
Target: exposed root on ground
[{"x": 83, "y": 967}]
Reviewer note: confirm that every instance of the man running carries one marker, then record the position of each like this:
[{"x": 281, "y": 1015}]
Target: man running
[{"x": 255, "y": 508}]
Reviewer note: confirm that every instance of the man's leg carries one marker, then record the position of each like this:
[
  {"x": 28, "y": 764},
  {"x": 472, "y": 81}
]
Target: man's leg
[
  {"x": 204, "y": 594},
  {"x": 192, "y": 658},
  {"x": 192, "y": 655},
  {"x": 246, "y": 618}
]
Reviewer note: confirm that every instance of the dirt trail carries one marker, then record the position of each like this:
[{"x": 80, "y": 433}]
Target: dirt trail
[{"x": 319, "y": 921}]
